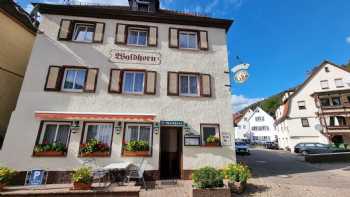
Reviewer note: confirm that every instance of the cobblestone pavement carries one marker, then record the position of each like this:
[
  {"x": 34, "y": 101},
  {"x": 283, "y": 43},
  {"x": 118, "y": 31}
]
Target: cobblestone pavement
[{"x": 280, "y": 173}]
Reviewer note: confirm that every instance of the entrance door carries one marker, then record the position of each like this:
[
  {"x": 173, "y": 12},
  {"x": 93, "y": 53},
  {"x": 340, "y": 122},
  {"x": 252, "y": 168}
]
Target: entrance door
[{"x": 170, "y": 152}]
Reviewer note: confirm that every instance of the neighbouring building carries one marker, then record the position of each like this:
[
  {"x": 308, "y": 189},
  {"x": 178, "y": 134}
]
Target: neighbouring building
[
  {"x": 317, "y": 110},
  {"x": 17, "y": 34},
  {"x": 121, "y": 74},
  {"x": 256, "y": 126}
]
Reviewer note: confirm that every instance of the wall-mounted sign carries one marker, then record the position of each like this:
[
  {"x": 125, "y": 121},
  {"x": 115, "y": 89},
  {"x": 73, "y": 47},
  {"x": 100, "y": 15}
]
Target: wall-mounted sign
[
  {"x": 241, "y": 73},
  {"x": 171, "y": 123},
  {"x": 135, "y": 57},
  {"x": 226, "y": 139},
  {"x": 192, "y": 141},
  {"x": 36, "y": 177}
]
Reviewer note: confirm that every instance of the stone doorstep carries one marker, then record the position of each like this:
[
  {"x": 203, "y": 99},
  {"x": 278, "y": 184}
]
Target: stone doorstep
[{"x": 66, "y": 189}]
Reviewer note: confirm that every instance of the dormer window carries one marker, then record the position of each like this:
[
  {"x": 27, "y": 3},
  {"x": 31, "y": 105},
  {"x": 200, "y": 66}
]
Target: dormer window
[{"x": 143, "y": 6}]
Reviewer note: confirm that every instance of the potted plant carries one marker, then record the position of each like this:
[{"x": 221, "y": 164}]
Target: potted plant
[
  {"x": 49, "y": 150},
  {"x": 237, "y": 175},
  {"x": 6, "y": 175},
  {"x": 136, "y": 149},
  {"x": 94, "y": 148},
  {"x": 213, "y": 141},
  {"x": 82, "y": 179},
  {"x": 208, "y": 181}
]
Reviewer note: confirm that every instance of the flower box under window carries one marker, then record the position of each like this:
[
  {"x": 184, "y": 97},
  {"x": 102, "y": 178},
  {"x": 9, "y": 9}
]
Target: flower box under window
[
  {"x": 95, "y": 154},
  {"x": 127, "y": 153},
  {"x": 49, "y": 154}
]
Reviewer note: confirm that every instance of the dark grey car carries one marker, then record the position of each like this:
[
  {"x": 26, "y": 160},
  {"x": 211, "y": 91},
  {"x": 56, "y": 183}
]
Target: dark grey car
[{"x": 312, "y": 148}]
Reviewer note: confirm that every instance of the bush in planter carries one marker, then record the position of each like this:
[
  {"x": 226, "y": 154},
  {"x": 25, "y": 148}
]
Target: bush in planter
[
  {"x": 237, "y": 174},
  {"x": 135, "y": 146},
  {"x": 82, "y": 178},
  {"x": 54, "y": 147},
  {"x": 93, "y": 146},
  {"x": 6, "y": 175},
  {"x": 207, "y": 177}
]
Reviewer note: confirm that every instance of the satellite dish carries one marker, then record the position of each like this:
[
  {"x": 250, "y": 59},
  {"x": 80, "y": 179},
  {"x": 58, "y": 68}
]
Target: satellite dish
[{"x": 319, "y": 127}]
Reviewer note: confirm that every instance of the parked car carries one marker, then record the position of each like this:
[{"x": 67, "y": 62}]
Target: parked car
[
  {"x": 312, "y": 148},
  {"x": 242, "y": 148},
  {"x": 271, "y": 145}
]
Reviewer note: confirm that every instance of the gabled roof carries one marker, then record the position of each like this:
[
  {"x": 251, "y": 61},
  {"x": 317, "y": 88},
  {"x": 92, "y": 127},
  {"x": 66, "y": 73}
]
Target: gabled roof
[
  {"x": 124, "y": 13},
  {"x": 286, "y": 109},
  {"x": 19, "y": 15}
]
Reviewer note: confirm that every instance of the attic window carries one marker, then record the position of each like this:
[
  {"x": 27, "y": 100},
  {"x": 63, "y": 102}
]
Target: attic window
[
  {"x": 326, "y": 69},
  {"x": 143, "y": 5}
]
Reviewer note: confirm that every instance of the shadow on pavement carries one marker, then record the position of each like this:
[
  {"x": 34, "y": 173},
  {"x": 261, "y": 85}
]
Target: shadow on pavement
[{"x": 252, "y": 190}]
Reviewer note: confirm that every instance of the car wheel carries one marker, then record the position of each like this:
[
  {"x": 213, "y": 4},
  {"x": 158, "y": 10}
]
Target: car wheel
[{"x": 304, "y": 152}]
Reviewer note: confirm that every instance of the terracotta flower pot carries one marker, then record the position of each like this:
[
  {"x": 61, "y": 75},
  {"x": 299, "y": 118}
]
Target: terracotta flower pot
[
  {"x": 237, "y": 187},
  {"x": 220, "y": 191},
  {"x": 95, "y": 154},
  {"x": 81, "y": 186},
  {"x": 49, "y": 154},
  {"x": 214, "y": 144},
  {"x": 2, "y": 185},
  {"x": 136, "y": 153}
]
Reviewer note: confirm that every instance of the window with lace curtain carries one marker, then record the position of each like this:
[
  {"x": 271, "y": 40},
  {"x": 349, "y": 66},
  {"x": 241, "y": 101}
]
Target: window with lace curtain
[
  {"x": 102, "y": 132},
  {"x": 138, "y": 132},
  {"x": 54, "y": 133}
]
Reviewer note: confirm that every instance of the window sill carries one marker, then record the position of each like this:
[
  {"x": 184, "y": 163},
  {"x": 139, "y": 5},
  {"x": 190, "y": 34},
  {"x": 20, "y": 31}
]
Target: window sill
[
  {"x": 95, "y": 154},
  {"x": 136, "y": 154},
  {"x": 49, "y": 154}
]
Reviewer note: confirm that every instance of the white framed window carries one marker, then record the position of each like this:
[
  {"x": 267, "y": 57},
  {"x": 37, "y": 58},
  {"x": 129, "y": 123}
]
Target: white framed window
[
  {"x": 189, "y": 85},
  {"x": 55, "y": 132},
  {"x": 188, "y": 40},
  {"x": 259, "y": 118},
  {"x": 339, "y": 83},
  {"x": 74, "y": 80},
  {"x": 101, "y": 132},
  {"x": 301, "y": 105},
  {"x": 208, "y": 130},
  {"x": 324, "y": 84},
  {"x": 137, "y": 37},
  {"x": 133, "y": 82},
  {"x": 138, "y": 132},
  {"x": 83, "y": 32},
  {"x": 305, "y": 122}
]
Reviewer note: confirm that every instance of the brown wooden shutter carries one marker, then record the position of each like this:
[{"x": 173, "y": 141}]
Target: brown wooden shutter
[
  {"x": 115, "y": 81},
  {"x": 205, "y": 85},
  {"x": 203, "y": 35},
  {"x": 65, "y": 32},
  {"x": 173, "y": 83},
  {"x": 121, "y": 34},
  {"x": 151, "y": 82},
  {"x": 173, "y": 38},
  {"x": 153, "y": 36},
  {"x": 91, "y": 80},
  {"x": 99, "y": 31},
  {"x": 54, "y": 78}
]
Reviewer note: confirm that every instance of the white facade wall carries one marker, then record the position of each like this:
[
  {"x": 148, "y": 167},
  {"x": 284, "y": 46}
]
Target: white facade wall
[
  {"x": 23, "y": 128},
  {"x": 295, "y": 132}
]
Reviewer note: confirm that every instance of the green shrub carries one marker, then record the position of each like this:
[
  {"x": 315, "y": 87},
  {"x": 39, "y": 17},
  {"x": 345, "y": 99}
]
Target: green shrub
[
  {"x": 135, "y": 146},
  {"x": 213, "y": 139},
  {"x": 208, "y": 177},
  {"x": 6, "y": 175},
  {"x": 58, "y": 147},
  {"x": 237, "y": 172},
  {"x": 82, "y": 175}
]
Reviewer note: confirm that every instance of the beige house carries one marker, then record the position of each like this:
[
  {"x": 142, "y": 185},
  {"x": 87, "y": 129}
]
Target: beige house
[
  {"x": 17, "y": 34},
  {"x": 116, "y": 76},
  {"x": 317, "y": 110}
]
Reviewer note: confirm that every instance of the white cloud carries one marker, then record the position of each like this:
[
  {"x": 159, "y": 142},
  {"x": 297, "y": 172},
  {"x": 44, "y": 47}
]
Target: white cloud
[
  {"x": 238, "y": 102},
  {"x": 347, "y": 39}
]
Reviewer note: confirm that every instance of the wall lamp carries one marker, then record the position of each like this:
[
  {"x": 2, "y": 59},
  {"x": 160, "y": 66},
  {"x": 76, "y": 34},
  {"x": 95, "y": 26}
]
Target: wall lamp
[
  {"x": 75, "y": 126},
  {"x": 156, "y": 128},
  {"x": 118, "y": 128}
]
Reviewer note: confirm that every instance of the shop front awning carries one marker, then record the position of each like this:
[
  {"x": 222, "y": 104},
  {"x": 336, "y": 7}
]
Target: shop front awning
[{"x": 53, "y": 115}]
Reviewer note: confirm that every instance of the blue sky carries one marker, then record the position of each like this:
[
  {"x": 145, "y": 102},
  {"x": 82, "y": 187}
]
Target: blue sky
[{"x": 281, "y": 40}]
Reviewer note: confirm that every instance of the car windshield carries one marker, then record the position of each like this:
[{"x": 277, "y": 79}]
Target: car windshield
[{"x": 322, "y": 145}]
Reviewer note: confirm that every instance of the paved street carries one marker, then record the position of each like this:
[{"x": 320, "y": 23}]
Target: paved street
[{"x": 279, "y": 173}]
